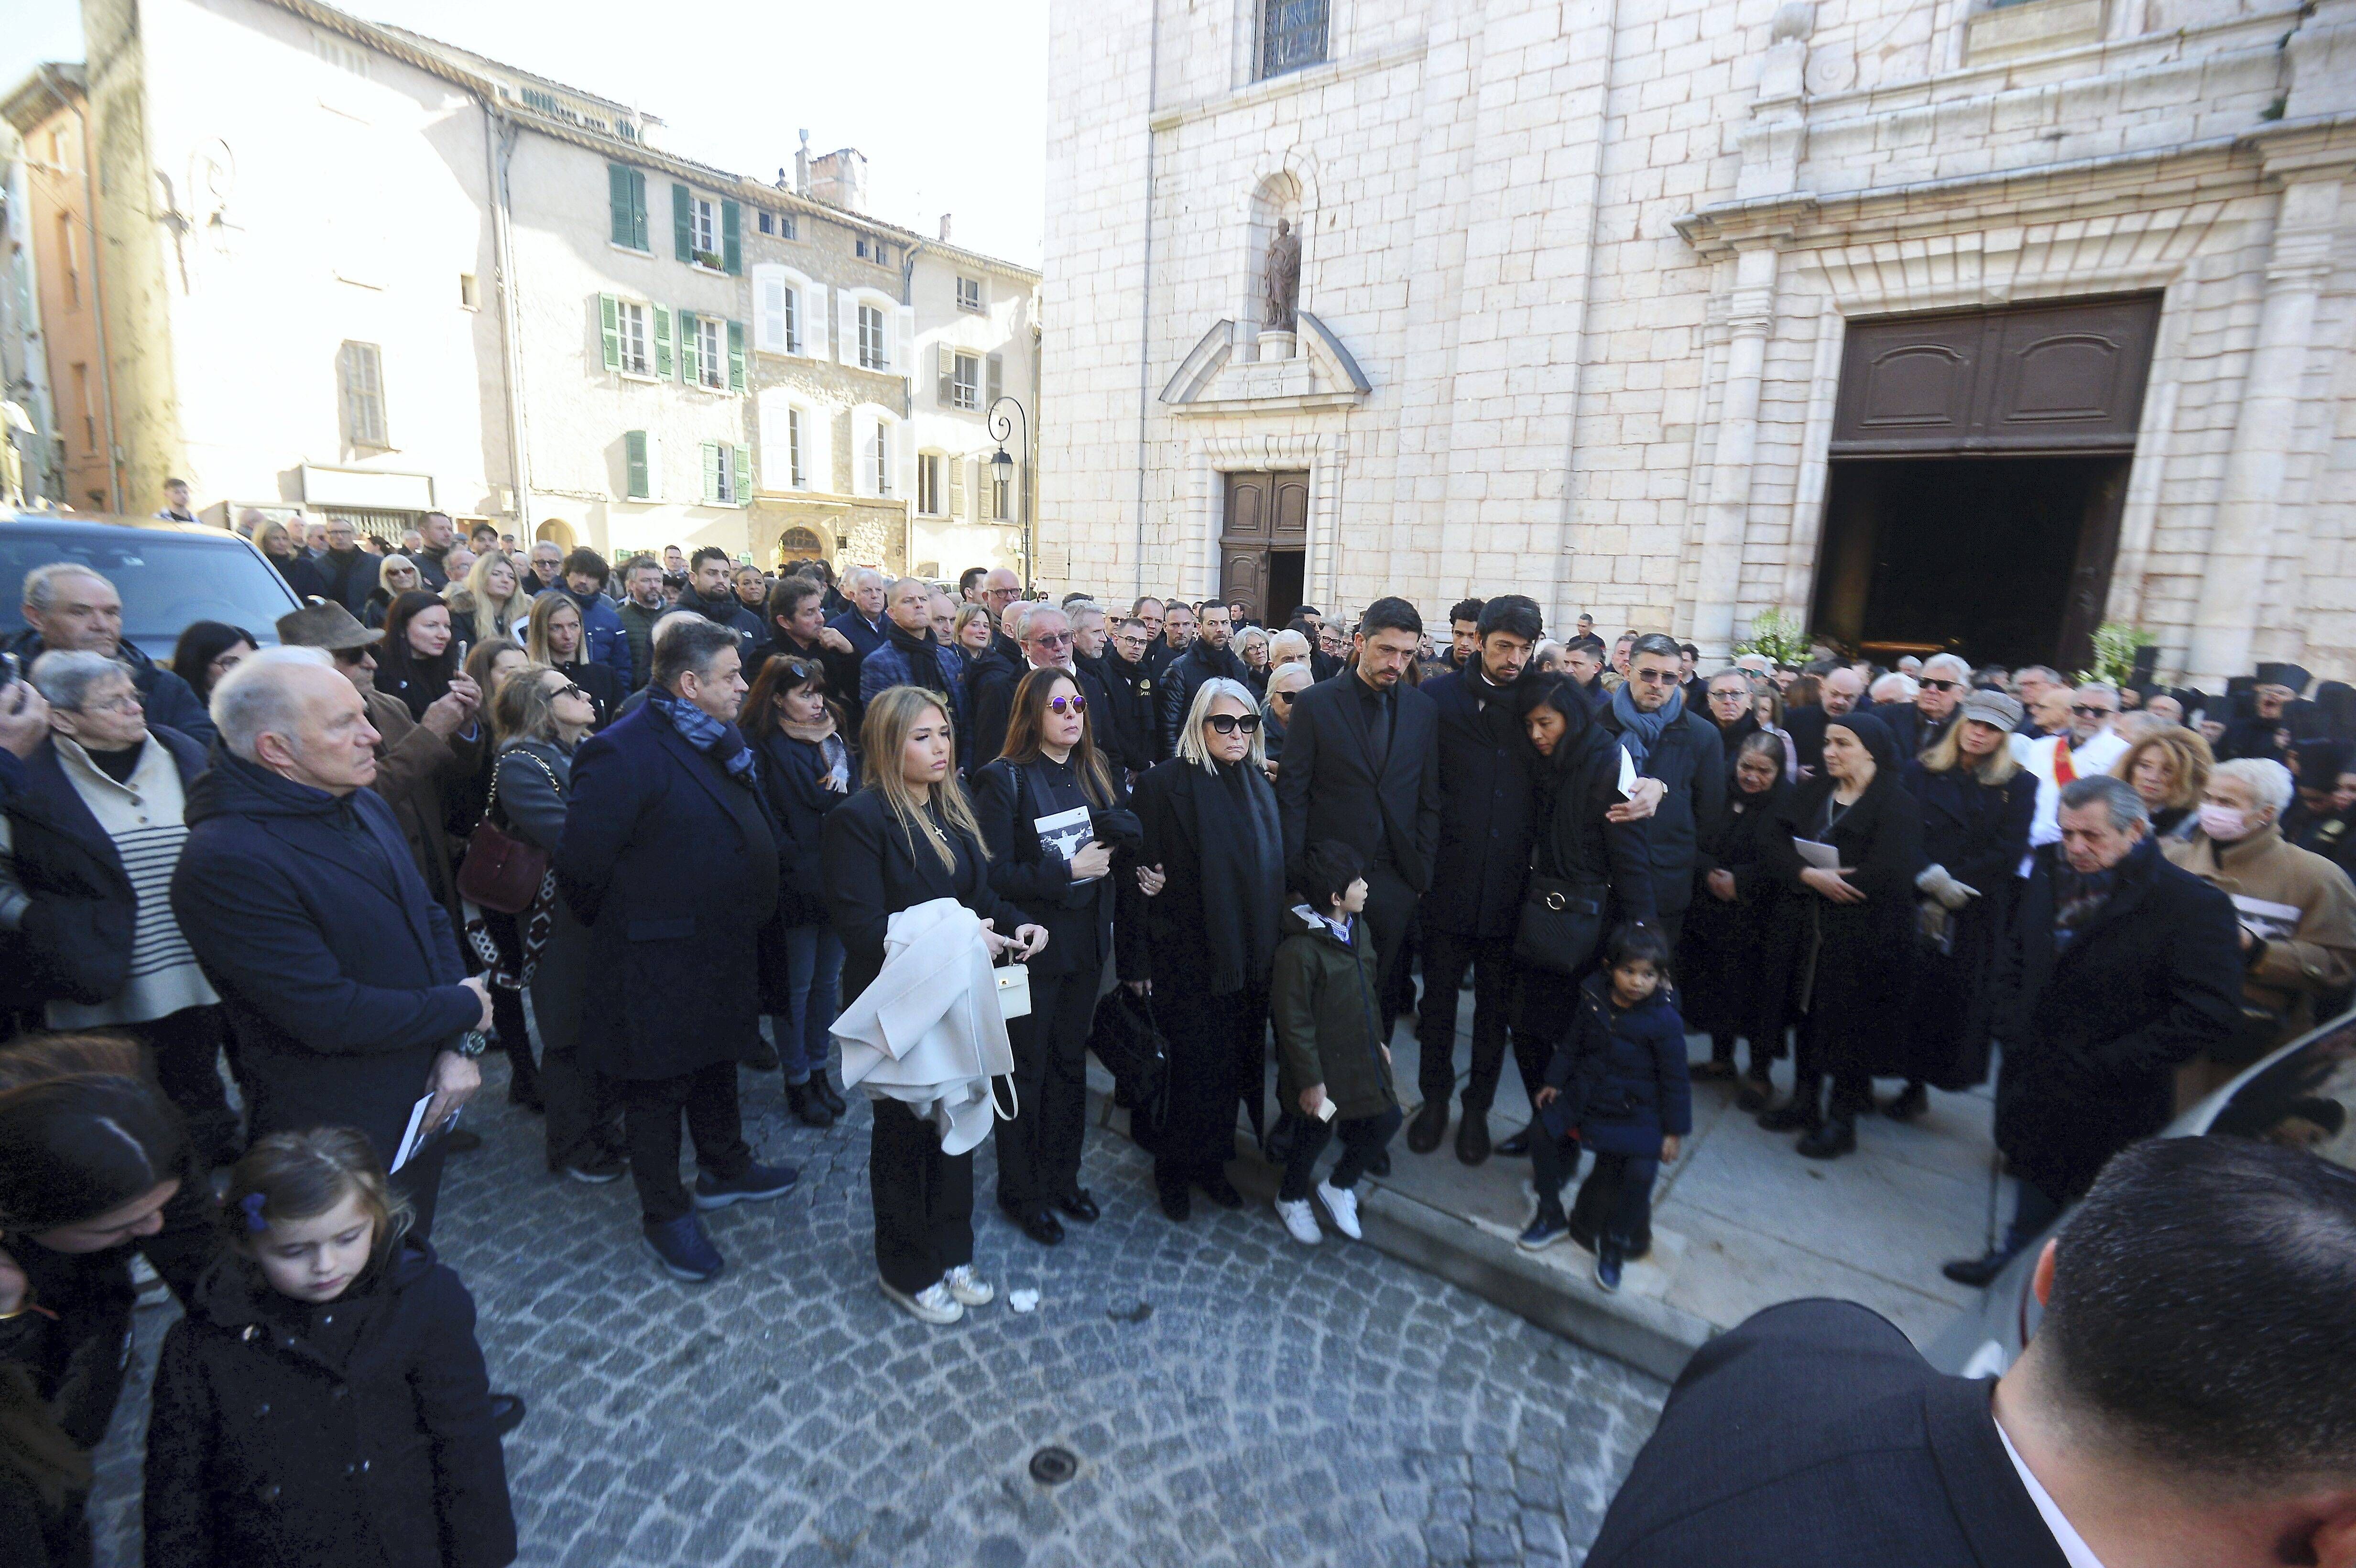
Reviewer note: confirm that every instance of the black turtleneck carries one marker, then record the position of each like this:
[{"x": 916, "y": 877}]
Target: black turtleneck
[{"x": 117, "y": 765}]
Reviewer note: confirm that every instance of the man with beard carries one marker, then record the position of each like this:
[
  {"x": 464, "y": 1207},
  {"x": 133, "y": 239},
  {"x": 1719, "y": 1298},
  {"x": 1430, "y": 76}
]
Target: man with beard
[
  {"x": 1206, "y": 657},
  {"x": 711, "y": 595},
  {"x": 642, "y": 605}
]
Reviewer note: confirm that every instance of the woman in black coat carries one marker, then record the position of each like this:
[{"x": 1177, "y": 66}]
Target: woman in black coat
[
  {"x": 806, "y": 770},
  {"x": 419, "y": 652},
  {"x": 1977, "y": 804},
  {"x": 1212, "y": 867},
  {"x": 907, "y": 839},
  {"x": 1856, "y": 973},
  {"x": 1735, "y": 952},
  {"x": 554, "y": 638},
  {"x": 1053, "y": 816}
]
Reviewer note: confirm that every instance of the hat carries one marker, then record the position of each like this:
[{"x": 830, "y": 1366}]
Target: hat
[
  {"x": 1994, "y": 708},
  {"x": 2288, "y": 675},
  {"x": 323, "y": 624}
]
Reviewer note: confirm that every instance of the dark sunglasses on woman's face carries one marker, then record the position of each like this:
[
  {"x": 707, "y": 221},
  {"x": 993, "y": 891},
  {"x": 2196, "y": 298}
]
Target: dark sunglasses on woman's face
[
  {"x": 1067, "y": 705},
  {"x": 569, "y": 689},
  {"x": 1229, "y": 723}
]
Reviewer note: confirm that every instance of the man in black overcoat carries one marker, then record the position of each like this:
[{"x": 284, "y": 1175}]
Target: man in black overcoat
[{"x": 1680, "y": 749}]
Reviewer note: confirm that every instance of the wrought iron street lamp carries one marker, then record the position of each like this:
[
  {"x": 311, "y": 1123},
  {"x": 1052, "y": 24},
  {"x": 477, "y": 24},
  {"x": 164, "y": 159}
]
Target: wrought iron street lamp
[{"x": 1002, "y": 470}]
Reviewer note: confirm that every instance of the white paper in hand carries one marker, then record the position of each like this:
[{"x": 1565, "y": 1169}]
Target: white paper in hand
[
  {"x": 1627, "y": 775},
  {"x": 1823, "y": 857},
  {"x": 1065, "y": 834},
  {"x": 414, "y": 1136}
]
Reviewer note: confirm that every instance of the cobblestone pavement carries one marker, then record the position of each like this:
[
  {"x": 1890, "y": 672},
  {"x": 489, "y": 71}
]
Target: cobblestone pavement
[{"x": 1232, "y": 1397}]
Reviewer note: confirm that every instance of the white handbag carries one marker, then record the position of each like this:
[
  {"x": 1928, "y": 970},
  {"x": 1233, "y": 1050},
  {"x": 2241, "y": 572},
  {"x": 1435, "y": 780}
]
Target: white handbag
[{"x": 1013, "y": 990}]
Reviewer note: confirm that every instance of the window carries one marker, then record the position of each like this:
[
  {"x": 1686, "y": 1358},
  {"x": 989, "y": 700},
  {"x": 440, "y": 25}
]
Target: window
[
  {"x": 69, "y": 260},
  {"x": 629, "y": 344},
  {"x": 782, "y": 306},
  {"x": 1292, "y": 35},
  {"x": 780, "y": 224},
  {"x": 626, "y": 190},
  {"x": 863, "y": 246},
  {"x": 358, "y": 377},
  {"x": 710, "y": 361},
  {"x": 468, "y": 297},
  {"x": 642, "y": 465},
  {"x": 929, "y": 466},
  {"x": 705, "y": 232},
  {"x": 883, "y": 460},
  {"x": 872, "y": 355},
  {"x": 794, "y": 448},
  {"x": 968, "y": 294},
  {"x": 727, "y": 473},
  {"x": 712, "y": 351},
  {"x": 706, "y": 235},
  {"x": 89, "y": 409},
  {"x": 965, "y": 382}
]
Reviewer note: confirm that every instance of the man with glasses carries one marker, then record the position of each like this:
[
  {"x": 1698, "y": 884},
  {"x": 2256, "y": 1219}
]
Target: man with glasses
[
  {"x": 1000, "y": 588},
  {"x": 1045, "y": 635},
  {"x": 547, "y": 568},
  {"x": 344, "y": 572},
  {"x": 2086, "y": 749},
  {"x": 1939, "y": 691},
  {"x": 1206, "y": 657},
  {"x": 1130, "y": 685},
  {"x": 1682, "y": 750}
]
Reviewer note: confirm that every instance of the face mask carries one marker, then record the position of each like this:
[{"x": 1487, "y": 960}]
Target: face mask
[{"x": 2224, "y": 824}]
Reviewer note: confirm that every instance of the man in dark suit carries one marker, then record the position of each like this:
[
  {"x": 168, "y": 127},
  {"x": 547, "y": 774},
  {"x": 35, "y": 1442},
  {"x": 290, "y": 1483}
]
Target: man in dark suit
[
  {"x": 2119, "y": 968},
  {"x": 2132, "y": 1429},
  {"x": 1362, "y": 765},
  {"x": 669, "y": 858},
  {"x": 1487, "y": 815},
  {"x": 1207, "y": 658},
  {"x": 1839, "y": 690},
  {"x": 1130, "y": 687},
  {"x": 1680, "y": 749},
  {"x": 1583, "y": 659}
]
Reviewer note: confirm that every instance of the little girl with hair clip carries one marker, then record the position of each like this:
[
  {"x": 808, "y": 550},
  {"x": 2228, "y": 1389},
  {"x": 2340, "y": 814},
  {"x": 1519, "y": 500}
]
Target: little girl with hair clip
[{"x": 323, "y": 1401}]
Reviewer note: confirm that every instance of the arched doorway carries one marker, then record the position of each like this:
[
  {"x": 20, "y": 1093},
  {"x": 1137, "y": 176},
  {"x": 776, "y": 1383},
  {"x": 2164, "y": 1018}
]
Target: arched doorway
[
  {"x": 556, "y": 530},
  {"x": 799, "y": 544}
]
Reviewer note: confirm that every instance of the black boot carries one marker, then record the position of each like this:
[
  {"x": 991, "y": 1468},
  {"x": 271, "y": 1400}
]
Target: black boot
[
  {"x": 1472, "y": 1136},
  {"x": 1430, "y": 1124},
  {"x": 1756, "y": 1091},
  {"x": 1803, "y": 1111},
  {"x": 803, "y": 1101},
  {"x": 834, "y": 1103},
  {"x": 1834, "y": 1138},
  {"x": 1912, "y": 1102},
  {"x": 1517, "y": 1147}
]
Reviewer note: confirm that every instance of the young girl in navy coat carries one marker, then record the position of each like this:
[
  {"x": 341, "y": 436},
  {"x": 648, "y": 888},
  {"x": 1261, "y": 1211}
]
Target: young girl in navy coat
[
  {"x": 323, "y": 1402},
  {"x": 1619, "y": 1077}
]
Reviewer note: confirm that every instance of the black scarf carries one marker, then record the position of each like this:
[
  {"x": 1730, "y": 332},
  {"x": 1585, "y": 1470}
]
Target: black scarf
[
  {"x": 924, "y": 668},
  {"x": 1243, "y": 874},
  {"x": 2080, "y": 896}
]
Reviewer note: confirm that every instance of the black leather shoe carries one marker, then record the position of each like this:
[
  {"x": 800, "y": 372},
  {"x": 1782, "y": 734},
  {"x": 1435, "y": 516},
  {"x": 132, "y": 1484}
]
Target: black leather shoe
[
  {"x": 1039, "y": 1225},
  {"x": 763, "y": 1057},
  {"x": 1792, "y": 1116},
  {"x": 1979, "y": 1271},
  {"x": 807, "y": 1107},
  {"x": 1080, "y": 1206},
  {"x": 1517, "y": 1147},
  {"x": 1757, "y": 1090},
  {"x": 1836, "y": 1138},
  {"x": 506, "y": 1412},
  {"x": 826, "y": 1095},
  {"x": 1176, "y": 1201},
  {"x": 1912, "y": 1102},
  {"x": 1218, "y": 1188},
  {"x": 1430, "y": 1126},
  {"x": 1472, "y": 1136}
]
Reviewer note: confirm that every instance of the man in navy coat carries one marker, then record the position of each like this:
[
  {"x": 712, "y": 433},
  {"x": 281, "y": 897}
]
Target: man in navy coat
[
  {"x": 669, "y": 858},
  {"x": 296, "y": 891}
]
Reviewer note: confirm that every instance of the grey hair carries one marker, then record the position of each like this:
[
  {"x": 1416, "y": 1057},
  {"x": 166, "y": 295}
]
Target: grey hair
[
  {"x": 41, "y": 583},
  {"x": 1190, "y": 737},
  {"x": 1280, "y": 678},
  {"x": 1249, "y": 632},
  {"x": 2052, "y": 677},
  {"x": 2116, "y": 795},
  {"x": 1733, "y": 670},
  {"x": 1031, "y": 617},
  {"x": 1288, "y": 643},
  {"x": 689, "y": 647},
  {"x": 850, "y": 579},
  {"x": 2270, "y": 783},
  {"x": 250, "y": 703},
  {"x": 64, "y": 680},
  {"x": 1898, "y": 687},
  {"x": 1949, "y": 662},
  {"x": 2102, "y": 686}
]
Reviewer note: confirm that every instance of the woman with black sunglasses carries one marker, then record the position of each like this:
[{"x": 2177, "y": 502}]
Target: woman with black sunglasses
[{"x": 1054, "y": 818}]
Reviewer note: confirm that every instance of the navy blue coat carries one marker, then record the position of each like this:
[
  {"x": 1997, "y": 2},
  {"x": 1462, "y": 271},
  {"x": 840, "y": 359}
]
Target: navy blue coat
[
  {"x": 1691, "y": 762},
  {"x": 843, "y": 669},
  {"x": 893, "y": 664},
  {"x": 337, "y": 970},
  {"x": 75, "y": 941},
  {"x": 1488, "y": 810},
  {"x": 170, "y": 701},
  {"x": 793, "y": 780},
  {"x": 672, "y": 865},
  {"x": 1622, "y": 1074}
]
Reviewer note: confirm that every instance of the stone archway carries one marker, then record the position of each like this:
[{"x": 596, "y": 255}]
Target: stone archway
[
  {"x": 556, "y": 530},
  {"x": 800, "y": 544}
]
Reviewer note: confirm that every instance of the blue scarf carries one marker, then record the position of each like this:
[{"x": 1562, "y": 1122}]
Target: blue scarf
[
  {"x": 1641, "y": 731},
  {"x": 706, "y": 734}
]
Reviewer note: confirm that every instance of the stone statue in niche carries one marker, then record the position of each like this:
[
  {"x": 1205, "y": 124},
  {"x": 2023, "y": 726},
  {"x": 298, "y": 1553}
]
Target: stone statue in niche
[{"x": 1284, "y": 282}]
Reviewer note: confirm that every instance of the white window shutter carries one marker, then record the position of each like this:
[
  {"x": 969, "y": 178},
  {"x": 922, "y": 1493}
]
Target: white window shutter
[
  {"x": 870, "y": 432},
  {"x": 770, "y": 309},
  {"x": 846, "y": 328},
  {"x": 814, "y": 319},
  {"x": 654, "y": 466},
  {"x": 904, "y": 461},
  {"x": 902, "y": 323},
  {"x": 818, "y": 451},
  {"x": 776, "y": 452}
]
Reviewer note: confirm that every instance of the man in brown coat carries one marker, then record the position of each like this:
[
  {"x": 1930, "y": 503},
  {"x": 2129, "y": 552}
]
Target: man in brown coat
[
  {"x": 2298, "y": 913},
  {"x": 414, "y": 758}
]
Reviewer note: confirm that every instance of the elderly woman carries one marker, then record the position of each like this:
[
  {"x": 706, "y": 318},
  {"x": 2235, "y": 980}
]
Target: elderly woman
[
  {"x": 2167, "y": 769},
  {"x": 1214, "y": 849},
  {"x": 395, "y": 575},
  {"x": 2297, "y": 912},
  {"x": 1251, "y": 646},
  {"x": 1285, "y": 685}
]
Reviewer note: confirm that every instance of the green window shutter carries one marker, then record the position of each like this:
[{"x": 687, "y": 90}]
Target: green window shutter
[
  {"x": 711, "y": 470},
  {"x": 634, "y": 460},
  {"x": 689, "y": 371},
  {"x": 662, "y": 341},
  {"x": 682, "y": 226},
  {"x": 731, "y": 245},
  {"x": 618, "y": 188},
  {"x": 743, "y": 458},
  {"x": 609, "y": 322},
  {"x": 735, "y": 356},
  {"x": 638, "y": 240},
  {"x": 997, "y": 373}
]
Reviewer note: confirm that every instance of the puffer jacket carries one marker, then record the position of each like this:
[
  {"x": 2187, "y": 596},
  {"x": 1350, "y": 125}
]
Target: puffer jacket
[
  {"x": 1622, "y": 1073},
  {"x": 1328, "y": 1024}
]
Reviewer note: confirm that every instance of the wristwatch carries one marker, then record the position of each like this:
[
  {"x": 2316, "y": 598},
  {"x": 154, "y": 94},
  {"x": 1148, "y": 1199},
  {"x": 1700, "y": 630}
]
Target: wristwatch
[{"x": 471, "y": 1044}]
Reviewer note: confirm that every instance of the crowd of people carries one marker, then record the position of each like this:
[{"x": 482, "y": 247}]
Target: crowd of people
[{"x": 942, "y": 839}]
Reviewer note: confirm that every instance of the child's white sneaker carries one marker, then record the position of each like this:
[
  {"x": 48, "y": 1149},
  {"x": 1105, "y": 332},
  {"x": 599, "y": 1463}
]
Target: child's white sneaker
[
  {"x": 1342, "y": 1205},
  {"x": 968, "y": 1287},
  {"x": 1299, "y": 1221},
  {"x": 933, "y": 1305}
]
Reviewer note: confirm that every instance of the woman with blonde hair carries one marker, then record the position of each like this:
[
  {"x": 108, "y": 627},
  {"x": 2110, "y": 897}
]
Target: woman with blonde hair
[
  {"x": 395, "y": 575},
  {"x": 492, "y": 603},
  {"x": 2170, "y": 770},
  {"x": 554, "y": 638},
  {"x": 908, "y": 838}
]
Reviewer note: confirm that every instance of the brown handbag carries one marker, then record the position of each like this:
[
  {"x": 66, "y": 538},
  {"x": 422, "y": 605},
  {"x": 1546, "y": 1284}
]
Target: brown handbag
[{"x": 501, "y": 872}]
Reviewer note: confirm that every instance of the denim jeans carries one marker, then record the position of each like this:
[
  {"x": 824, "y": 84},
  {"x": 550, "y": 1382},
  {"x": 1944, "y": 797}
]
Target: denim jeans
[{"x": 813, "y": 970}]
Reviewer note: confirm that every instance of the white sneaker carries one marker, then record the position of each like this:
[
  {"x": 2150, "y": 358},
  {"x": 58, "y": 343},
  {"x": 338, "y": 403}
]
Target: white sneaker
[
  {"x": 1342, "y": 1207},
  {"x": 1301, "y": 1221},
  {"x": 968, "y": 1287},
  {"x": 933, "y": 1304}
]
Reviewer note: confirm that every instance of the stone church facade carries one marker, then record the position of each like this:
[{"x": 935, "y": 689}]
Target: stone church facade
[{"x": 1925, "y": 322}]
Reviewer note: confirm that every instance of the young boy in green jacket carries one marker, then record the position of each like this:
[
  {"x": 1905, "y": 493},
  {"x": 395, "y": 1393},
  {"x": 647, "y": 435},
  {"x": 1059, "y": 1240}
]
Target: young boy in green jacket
[{"x": 1331, "y": 1060}]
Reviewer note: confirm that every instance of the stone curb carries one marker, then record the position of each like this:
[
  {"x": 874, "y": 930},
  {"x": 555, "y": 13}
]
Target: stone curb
[{"x": 1646, "y": 1334}]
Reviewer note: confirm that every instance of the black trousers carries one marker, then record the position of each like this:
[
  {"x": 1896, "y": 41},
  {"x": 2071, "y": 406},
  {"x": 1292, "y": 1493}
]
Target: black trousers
[
  {"x": 1363, "y": 1137},
  {"x": 1217, "y": 1057},
  {"x": 185, "y": 1047},
  {"x": 1039, "y": 1150},
  {"x": 1616, "y": 1200},
  {"x": 1446, "y": 956},
  {"x": 581, "y": 1108},
  {"x": 924, "y": 1199},
  {"x": 650, "y": 1117},
  {"x": 1852, "y": 1089},
  {"x": 508, "y": 1025},
  {"x": 1390, "y": 906}
]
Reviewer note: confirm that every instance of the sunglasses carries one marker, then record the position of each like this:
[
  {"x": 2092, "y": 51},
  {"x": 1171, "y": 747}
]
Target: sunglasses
[
  {"x": 1659, "y": 677},
  {"x": 1943, "y": 686},
  {"x": 2083, "y": 711},
  {"x": 569, "y": 689},
  {"x": 1052, "y": 639},
  {"x": 1067, "y": 705},
  {"x": 1229, "y": 723}
]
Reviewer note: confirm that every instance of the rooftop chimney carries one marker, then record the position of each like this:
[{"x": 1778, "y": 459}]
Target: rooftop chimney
[
  {"x": 801, "y": 167},
  {"x": 945, "y": 228},
  {"x": 840, "y": 179}
]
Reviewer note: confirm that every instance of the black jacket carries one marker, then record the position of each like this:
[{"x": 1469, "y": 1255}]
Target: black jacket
[
  {"x": 170, "y": 701},
  {"x": 337, "y": 970},
  {"x": 1488, "y": 808},
  {"x": 673, "y": 864},
  {"x": 793, "y": 780},
  {"x": 1184, "y": 676},
  {"x": 1170, "y": 942},
  {"x": 1129, "y": 691},
  {"x": 1814, "y": 1437},
  {"x": 843, "y": 669},
  {"x": 2093, "y": 1031},
  {"x": 75, "y": 939},
  {"x": 1690, "y": 762},
  {"x": 990, "y": 681},
  {"x": 348, "y": 581},
  {"x": 286, "y": 1434},
  {"x": 1979, "y": 832},
  {"x": 873, "y": 869},
  {"x": 1328, "y": 787},
  {"x": 728, "y": 611},
  {"x": 1733, "y": 959},
  {"x": 1863, "y": 965},
  {"x": 1008, "y": 799},
  {"x": 1570, "y": 840}
]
